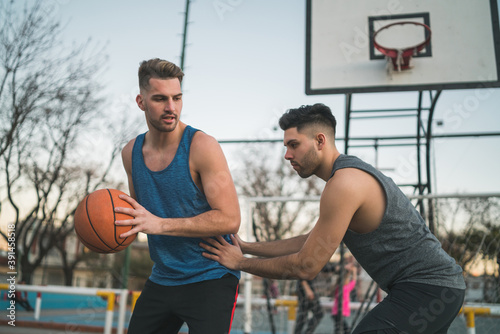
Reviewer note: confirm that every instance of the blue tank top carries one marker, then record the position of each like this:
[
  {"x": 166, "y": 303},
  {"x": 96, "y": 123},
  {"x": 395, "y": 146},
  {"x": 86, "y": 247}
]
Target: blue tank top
[
  {"x": 402, "y": 248},
  {"x": 172, "y": 193}
]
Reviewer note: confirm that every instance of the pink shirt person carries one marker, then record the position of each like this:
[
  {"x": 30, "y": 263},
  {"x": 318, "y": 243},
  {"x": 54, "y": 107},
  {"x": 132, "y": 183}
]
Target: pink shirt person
[{"x": 346, "y": 305}]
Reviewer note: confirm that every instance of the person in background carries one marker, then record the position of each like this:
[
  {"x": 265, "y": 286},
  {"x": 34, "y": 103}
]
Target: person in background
[
  {"x": 308, "y": 302},
  {"x": 348, "y": 282}
]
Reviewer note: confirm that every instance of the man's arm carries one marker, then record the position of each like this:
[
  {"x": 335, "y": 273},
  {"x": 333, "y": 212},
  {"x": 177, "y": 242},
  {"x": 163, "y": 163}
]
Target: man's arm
[
  {"x": 211, "y": 170},
  {"x": 127, "y": 165},
  {"x": 308, "y": 290},
  {"x": 340, "y": 200},
  {"x": 273, "y": 248}
]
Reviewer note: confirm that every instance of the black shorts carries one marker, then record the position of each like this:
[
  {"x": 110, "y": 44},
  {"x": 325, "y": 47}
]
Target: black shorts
[
  {"x": 413, "y": 308},
  {"x": 206, "y": 307}
]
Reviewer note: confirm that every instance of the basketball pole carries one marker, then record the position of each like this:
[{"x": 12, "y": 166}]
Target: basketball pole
[
  {"x": 184, "y": 34},
  {"x": 126, "y": 267}
]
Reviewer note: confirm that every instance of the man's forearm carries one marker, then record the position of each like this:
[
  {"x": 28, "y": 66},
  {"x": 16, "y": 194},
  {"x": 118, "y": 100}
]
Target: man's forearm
[
  {"x": 275, "y": 248},
  {"x": 283, "y": 267},
  {"x": 305, "y": 264},
  {"x": 207, "y": 224}
]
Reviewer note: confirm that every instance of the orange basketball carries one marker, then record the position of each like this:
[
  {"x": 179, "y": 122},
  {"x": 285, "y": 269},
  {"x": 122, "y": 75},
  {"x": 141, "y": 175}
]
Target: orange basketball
[{"x": 95, "y": 222}]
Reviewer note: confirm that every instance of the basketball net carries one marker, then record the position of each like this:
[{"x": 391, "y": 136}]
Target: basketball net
[{"x": 399, "y": 59}]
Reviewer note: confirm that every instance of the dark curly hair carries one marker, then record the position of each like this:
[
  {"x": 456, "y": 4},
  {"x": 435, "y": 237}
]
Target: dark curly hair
[{"x": 317, "y": 114}]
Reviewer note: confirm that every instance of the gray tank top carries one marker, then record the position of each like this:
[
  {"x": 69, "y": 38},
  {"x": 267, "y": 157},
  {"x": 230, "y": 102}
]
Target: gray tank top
[{"x": 402, "y": 248}]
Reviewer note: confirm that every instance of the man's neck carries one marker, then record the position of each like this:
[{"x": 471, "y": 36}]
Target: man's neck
[
  {"x": 159, "y": 140},
  {"x": 325, "y": 170}
]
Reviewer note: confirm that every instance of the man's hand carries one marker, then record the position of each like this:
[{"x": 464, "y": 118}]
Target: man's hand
[
  {"x": 230, "y": 256},
  {"x": 242, "y": 244},
  {"x": 143, "y": 221}
]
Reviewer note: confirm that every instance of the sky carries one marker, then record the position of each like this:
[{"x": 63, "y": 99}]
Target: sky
[{"x": 245, "y": 65}]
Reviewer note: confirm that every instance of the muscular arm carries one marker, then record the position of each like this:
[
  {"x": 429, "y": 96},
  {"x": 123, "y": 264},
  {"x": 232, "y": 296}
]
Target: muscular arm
[
  {"x": 339, "y": 202},
  {"x": 211, "y": 173},
  {"x": 127, "y": 164},
  {"x": 273, "y": 248}
]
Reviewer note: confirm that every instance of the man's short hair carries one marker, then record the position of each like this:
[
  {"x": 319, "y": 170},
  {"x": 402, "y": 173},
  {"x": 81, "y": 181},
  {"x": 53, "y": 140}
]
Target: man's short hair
[{"x": 158, "y": 69}]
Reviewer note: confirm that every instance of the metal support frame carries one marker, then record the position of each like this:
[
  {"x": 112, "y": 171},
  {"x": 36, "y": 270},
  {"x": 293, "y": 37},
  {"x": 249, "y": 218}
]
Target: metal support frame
[{"x": 422, "y": 138}]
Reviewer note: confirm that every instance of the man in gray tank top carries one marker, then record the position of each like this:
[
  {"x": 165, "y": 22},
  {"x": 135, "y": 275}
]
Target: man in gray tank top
[{"x": 382, "y": 229}]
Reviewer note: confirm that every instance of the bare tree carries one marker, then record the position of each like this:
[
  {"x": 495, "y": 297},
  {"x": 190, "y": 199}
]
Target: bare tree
[
  {"x": 268, "y": 174},
  {"x": 470, "y": 232},
  {"x": 50, "y": 104},
  {"x": 469, "y": 227}
]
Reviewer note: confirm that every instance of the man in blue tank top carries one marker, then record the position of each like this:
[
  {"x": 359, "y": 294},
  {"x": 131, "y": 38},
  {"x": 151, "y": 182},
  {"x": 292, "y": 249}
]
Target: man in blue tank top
[
  {"x": 181, "y": 191},
  {"x": 382, "y": 229}
]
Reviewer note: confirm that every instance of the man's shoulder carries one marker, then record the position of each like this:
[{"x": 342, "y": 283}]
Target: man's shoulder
[
  {"x": 349, "y": 165},
  {"x": 348, "y": 173},
  {"x": 345, "y": 160},
  {"x": 127, "y": 149},
  {"x": 203, "y": 140},
  {"x": 350, "y": 181}
]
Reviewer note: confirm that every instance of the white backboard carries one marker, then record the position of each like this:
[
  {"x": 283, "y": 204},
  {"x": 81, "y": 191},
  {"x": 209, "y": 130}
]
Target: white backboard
[{"x": 463, "y": 52}]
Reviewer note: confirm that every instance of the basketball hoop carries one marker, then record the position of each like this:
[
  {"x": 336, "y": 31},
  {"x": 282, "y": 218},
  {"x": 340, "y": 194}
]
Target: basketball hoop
[{"x": 401, "y": 56}]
